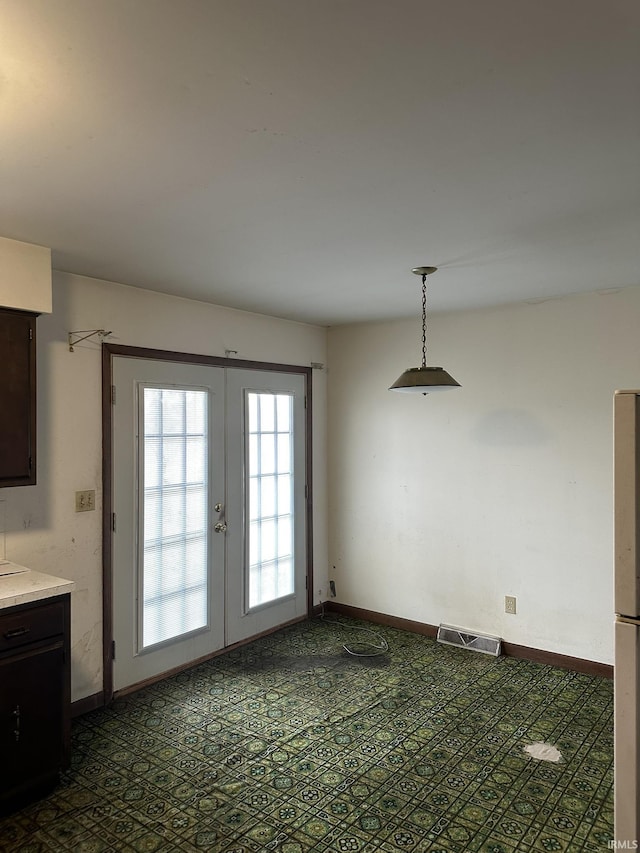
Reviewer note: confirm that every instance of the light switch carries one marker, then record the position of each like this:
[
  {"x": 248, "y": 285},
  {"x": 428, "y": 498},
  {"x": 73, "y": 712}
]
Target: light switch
[{"x": 86, "y": 501}]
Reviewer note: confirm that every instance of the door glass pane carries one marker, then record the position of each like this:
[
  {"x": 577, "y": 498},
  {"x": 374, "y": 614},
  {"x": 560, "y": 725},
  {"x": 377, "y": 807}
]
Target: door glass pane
[
  {"x": 174, "y": 488},
  {"x": 269, "y": 498}
]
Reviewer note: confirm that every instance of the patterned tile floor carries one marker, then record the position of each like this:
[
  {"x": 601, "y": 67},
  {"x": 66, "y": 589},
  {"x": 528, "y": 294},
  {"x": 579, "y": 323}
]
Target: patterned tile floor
[{"x": 289, "y": 744}]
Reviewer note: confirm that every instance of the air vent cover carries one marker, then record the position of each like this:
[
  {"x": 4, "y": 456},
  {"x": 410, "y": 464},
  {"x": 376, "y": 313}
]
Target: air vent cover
[{"x": 451, "y": 636}]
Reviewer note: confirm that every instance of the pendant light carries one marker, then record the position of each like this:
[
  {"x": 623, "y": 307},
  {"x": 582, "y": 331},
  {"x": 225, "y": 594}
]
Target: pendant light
[{"x": 424, "y": 380}]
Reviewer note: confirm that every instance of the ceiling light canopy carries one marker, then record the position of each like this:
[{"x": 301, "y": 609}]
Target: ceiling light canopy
[{"x": 424, "y": 380}]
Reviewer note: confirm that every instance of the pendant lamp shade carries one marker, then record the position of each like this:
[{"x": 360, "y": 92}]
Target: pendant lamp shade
[{"x": 424, "y": 380}]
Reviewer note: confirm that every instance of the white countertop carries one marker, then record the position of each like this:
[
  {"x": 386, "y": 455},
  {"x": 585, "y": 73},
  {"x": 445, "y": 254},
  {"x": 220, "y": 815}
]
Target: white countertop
[{"x": 25, "y": 585}]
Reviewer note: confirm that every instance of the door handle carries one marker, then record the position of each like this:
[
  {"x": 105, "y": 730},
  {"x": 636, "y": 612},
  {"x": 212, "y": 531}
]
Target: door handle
[{"x": 220, "y": 527}]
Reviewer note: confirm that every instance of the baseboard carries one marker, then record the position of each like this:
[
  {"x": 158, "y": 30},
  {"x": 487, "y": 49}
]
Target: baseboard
[
  {"x": 89, "y": 703},
  {"x": 588, "y": 667},
  {"x": 382, "y": 619}
]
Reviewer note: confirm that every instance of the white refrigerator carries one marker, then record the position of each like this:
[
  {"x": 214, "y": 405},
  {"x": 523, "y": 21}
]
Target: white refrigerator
[{"x": 627, "y": 616}]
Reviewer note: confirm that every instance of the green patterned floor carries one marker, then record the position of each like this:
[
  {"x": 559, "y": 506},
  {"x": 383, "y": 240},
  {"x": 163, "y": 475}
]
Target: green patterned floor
[{"x": 291, "y": 745}]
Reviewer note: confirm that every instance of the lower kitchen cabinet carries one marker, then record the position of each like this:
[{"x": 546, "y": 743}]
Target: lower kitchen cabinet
[{"x": 35, "y": 702}]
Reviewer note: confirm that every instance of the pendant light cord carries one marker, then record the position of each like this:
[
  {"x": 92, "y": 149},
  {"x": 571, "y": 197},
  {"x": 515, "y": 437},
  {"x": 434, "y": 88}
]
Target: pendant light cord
[{"x": 424, "y": 320}]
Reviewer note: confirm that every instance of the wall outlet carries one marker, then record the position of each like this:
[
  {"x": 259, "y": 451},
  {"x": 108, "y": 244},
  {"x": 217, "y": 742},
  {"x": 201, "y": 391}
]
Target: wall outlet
[
  {"x": 510, "y": 604},
  {"x": 332, "y": 587},
  {"x": 86, "y": 500}
]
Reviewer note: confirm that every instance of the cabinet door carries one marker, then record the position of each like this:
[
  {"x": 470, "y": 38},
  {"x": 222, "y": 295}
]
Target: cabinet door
[
  {"x": 31, "y": 718},
  {"x": 17, "y": 398}
]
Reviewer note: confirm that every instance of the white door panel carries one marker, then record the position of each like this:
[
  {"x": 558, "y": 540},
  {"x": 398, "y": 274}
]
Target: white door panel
[
  {"x": 209, "y": 477},
  {"x": 168, "y": 564},
  {"x": 266, "y": 544}
]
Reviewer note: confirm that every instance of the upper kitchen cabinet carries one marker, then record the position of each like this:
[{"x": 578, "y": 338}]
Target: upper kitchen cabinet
[
  {"x": 25, "y": 276},
  {"x": 17, "y": 398},
  {"x": 25, "y": 292}
]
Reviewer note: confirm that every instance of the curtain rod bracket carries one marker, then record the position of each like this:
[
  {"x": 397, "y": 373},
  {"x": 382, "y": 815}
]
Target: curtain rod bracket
[{"x": 86, "y": 334}]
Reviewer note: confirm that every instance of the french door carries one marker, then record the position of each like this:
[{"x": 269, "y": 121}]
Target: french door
[{"x": 209, "y": 533}]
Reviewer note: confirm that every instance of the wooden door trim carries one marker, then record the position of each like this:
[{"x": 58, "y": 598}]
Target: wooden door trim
[{"x": 109, "y": 351}]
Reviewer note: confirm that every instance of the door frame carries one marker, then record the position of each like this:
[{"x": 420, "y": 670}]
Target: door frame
[{"x": 109, "y": 351}]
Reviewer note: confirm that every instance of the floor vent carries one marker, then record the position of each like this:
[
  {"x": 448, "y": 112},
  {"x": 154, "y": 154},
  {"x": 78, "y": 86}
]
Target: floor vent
[{"x": 451, "y": 636}]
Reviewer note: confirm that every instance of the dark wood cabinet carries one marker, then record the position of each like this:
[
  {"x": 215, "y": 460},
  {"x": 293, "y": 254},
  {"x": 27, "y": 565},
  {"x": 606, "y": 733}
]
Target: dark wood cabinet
[
  {"x": 17, "y": 398},
  {"x": 35, "y": 701}
]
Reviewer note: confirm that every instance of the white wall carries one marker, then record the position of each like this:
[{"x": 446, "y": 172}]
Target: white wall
[
  {"x": 43, "y": 530},
  {"x": 442, "y": 505}
]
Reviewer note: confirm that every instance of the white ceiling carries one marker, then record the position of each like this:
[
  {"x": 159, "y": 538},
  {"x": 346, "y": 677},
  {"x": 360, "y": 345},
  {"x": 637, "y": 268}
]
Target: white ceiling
[{"x": 299, "y": 157}]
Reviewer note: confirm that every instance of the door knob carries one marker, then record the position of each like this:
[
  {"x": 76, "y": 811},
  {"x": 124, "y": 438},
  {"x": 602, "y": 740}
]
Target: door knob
[{"x": 220, "y": 527}]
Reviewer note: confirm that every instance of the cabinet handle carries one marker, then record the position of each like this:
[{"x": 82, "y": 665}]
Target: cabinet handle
[
  {"x": 16, "y": 731},
  {"x": 16, "y": 632}
]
